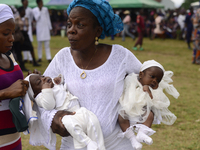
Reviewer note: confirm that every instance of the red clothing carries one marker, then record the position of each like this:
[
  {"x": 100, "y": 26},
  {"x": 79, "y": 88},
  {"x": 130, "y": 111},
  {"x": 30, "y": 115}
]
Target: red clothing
[
  {"x": 15, "y": 146},
  {"x": 140, "y": 23},
  {"x": 7, "y": 127}
]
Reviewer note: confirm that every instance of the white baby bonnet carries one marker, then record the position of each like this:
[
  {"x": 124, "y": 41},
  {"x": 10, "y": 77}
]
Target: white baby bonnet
[
  {"x": 151, "y": 63},
  {"x": 27, "y": 107}
]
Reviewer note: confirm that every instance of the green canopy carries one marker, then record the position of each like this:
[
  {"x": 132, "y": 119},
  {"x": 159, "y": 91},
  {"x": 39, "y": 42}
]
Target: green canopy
[
  {"x": 135, "y": 4},
  {"x": 11, "y": 2},
  {"x": 18, "y": 3},
  {"x": 32, "y": 3},
  {"x": 58, "y": 4},
  {"x": 113, "y": 3},
  {"x": 63, "y": 4}
]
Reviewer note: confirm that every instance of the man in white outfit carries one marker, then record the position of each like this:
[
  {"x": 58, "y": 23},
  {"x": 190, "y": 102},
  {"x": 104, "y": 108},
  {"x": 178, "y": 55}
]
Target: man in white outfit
[
  {"x": 43, "y": 27},
  {"x": 29, "y": 15}
]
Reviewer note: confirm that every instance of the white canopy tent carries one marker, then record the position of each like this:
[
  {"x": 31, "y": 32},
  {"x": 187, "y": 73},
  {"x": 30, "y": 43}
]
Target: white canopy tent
[{"x": 195, "y": 4}]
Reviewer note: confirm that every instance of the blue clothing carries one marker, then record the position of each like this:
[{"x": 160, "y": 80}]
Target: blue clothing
[
  {"x": 126, "y": 31},
  {"x": 110, "y": 22},
  {"x": 188, "y": 22}
]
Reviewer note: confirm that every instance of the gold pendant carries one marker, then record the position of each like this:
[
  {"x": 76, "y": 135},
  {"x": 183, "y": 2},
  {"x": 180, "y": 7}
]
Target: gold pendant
[{"x": 83, "y": 75}]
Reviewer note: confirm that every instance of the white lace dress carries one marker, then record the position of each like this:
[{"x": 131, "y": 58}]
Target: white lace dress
[
  {"x": 137, "y": 104},
  {"x": 99, "y": 92}
]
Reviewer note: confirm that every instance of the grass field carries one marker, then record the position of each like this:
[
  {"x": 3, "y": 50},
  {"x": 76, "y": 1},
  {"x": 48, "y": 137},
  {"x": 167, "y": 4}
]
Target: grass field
[{"x": 174, "y": 56}]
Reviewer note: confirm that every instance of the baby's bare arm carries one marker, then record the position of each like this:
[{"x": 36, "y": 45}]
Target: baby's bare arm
[{"x": 123, "y": 123}]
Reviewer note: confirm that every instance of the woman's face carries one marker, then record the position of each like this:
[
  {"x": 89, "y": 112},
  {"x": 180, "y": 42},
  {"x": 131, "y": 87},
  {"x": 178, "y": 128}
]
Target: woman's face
[
  {"x": 151, "y": 77},
  {"x": 81, "y": 31},
  {"x": 7, "y": 29}
]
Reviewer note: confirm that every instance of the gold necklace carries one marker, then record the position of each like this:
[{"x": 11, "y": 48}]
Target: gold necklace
[{"x": 83, "y": 74}]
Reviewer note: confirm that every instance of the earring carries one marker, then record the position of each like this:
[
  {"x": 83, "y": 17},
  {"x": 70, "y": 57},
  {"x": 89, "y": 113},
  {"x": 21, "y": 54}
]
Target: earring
[{"x": 96, "y": 41}]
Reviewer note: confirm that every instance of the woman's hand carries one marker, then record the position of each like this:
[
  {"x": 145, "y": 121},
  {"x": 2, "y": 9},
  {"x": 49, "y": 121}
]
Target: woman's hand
[
  {"x": 34, "y": 71},
  {"x": 57, "y": 126},
  {"x": 146, "y": 89},
  {"x": 17, "y": 89}
]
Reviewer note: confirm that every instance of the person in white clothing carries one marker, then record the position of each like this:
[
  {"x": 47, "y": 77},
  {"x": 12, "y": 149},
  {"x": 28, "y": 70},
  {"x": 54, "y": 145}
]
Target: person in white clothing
[
  {"x": 127, "y": 25},
  {"x": 28, "y": 50},
  {"x": 51, "y": 94},
  {"x": 29, "y": 14},
  {"x": 43, "y": 27},
  {"x": 181, "y": 22},
  {"x": 93, "y": 71},
  {"x": 136, "y": 103}
]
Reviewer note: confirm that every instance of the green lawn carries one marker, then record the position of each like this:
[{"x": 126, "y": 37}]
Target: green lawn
[{"x": 174, "y": 56}]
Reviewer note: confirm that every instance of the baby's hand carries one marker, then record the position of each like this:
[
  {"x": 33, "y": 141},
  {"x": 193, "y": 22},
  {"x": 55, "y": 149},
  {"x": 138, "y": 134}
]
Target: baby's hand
[
  {"x": 146, "y": 89},
  {"x": 57, "y": 80}
]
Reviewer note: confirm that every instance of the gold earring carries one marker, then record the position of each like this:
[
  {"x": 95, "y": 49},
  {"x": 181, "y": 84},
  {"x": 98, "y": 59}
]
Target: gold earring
[{"x": 96, "y": 41}]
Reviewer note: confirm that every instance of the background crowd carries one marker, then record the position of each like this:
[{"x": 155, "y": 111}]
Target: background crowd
[
  {"x": 150, "y": 23},
  {"x": 83, "y": 54}
]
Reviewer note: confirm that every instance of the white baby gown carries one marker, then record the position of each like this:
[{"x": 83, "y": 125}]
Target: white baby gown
[
  {"x": 84, "y": 126},
  {"x": 137, "y": 104}
]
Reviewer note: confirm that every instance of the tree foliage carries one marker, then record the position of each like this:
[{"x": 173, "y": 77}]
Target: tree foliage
[{"x": 187, "y": 3}]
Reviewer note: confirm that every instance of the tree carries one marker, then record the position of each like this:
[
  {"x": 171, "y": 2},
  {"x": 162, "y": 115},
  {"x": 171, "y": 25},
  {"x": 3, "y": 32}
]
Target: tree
[{"x": 187, "y": 3}]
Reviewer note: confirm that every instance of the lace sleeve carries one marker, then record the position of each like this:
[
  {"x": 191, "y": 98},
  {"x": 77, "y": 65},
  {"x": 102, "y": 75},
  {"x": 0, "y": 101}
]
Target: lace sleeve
[
  {"x": 44, "y": 120},
  {"x": 133, "y": 64},
  {"x": 54, "y": 68}
]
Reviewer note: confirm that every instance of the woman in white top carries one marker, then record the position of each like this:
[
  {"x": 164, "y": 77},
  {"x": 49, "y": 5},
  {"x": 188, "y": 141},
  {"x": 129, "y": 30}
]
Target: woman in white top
[{"x": 94, "y": 72}]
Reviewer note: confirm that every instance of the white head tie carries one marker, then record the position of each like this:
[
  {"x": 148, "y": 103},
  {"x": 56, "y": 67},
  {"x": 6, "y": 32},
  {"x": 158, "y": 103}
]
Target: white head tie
[
  {"x": 5, "y": 13},
  {"x": 151, "y": 63},
  {"x": 27, "y": 107},
  {"x": 30, "y": 90}
]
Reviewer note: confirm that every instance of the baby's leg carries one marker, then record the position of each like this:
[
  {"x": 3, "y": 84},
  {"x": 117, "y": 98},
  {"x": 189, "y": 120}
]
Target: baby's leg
[
  {"x": 143, "y": 134},
  {"x": 93, "y": 128},
  {"x": 74, "y": 127},
  {"x": 129, "y": 134}
]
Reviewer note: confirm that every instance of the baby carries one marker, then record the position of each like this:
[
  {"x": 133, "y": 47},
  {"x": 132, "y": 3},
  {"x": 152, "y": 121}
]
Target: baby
[
  {"x": 136, "y": 104},
  {"x": 83, "y": 126}
]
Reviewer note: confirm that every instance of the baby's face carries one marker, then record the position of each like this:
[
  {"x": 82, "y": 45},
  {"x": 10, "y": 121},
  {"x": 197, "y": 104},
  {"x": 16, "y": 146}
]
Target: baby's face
[
  {"x": 39, "y": 82},
  {"x": 151, "y": 77}
]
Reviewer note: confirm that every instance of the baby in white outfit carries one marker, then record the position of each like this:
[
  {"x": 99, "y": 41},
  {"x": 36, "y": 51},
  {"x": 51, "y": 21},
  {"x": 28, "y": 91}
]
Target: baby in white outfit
[
  {"x": 136, "y": 104},
  {"x": 83, "y": 126}
]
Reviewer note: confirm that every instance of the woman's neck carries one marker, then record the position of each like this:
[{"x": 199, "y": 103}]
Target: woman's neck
[
  {"x": 4, "y": 61},
  {"x": 93, "y": 58}
]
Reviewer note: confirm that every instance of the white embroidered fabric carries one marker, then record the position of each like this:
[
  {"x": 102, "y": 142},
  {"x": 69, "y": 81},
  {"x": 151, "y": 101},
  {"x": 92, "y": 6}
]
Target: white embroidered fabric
[
  {"x": 137, "y": 104},
  {"x": 99, "y": 92}
]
